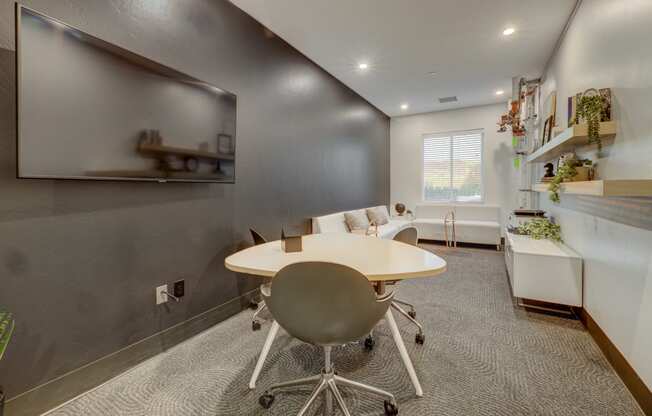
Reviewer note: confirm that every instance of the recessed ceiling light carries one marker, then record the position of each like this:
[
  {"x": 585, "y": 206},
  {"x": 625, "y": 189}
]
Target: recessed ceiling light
[
  {"x": 431, "y": 73},
  {"x": 509, "y": 31},
  {"x": 500, "y": 92},
  {"x": 404, "y": 106},
  {"x": 363, "y": 66}
]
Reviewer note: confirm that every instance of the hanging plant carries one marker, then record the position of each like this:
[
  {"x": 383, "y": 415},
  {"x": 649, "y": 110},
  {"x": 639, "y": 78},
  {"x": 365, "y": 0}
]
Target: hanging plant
[
  {"x": 6, "y": 329},
  {"x": 591, "y": 108},
  {"x": 541, "y": 228},
  {"x": 565, "y": 172}
]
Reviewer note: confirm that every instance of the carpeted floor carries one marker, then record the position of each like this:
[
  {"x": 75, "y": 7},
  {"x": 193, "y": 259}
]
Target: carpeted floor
[{"x": 482, "y": 356}]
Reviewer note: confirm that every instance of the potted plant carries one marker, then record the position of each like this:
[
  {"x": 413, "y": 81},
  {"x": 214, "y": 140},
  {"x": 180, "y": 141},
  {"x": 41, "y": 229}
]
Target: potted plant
[
  {"x": 6, "y": 329},
  {"x": 591, "y": 108},
  {"x": 541, "y": 228},
  {"x": 570, "y": 169}
]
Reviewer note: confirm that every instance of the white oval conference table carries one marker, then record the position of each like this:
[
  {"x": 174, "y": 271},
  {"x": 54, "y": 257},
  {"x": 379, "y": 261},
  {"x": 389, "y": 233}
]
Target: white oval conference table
[{"x": 379, "y": 259}]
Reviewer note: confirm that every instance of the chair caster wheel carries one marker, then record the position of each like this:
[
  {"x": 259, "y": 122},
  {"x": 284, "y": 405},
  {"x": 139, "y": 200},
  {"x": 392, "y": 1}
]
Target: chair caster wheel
[
  {"x": 369, "y": 343},
  {"x": 255, "y": 326},
  {"x": 390, "y": 409},
  {"x": 420, "y": 339},
  {"x": 413, "y": 314},
  {"x": 266, "y": 401}
]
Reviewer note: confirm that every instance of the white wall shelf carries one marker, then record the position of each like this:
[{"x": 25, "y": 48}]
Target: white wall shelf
[
  {"x": 568, "y": 140},
  {"x": 607, "y": 187}
]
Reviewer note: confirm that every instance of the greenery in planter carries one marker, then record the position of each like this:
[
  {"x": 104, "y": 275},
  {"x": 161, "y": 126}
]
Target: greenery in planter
[
  {"x": 540, "y": 228},
  {"x": 566, "y": 171},
  {"x": 591, "y": 108},
  {"x": 6, "y": 329}
]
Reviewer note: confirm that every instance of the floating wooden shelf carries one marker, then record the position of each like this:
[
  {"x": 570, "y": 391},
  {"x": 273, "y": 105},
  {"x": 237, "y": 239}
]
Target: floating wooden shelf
[
  {"x": 178, "y": 151},
  {"x": 568, "y": 140},
  {"x": 607, "y": 187}
]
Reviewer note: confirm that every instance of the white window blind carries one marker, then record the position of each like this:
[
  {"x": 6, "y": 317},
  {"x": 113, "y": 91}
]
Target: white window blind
[{"x": 452, "y": 167}]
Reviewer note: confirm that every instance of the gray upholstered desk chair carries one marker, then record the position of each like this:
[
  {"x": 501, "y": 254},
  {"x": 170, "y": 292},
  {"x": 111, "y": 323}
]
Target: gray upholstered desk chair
[
  {"x": 255, "y": 322},
  {"x": 410, "y": 236},
  {"x": 327, "y": 305}
]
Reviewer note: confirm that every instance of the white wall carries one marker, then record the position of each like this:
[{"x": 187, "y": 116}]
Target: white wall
[
  {"x": 406, "y": 147},
  {"x": 609, "y": 45}
]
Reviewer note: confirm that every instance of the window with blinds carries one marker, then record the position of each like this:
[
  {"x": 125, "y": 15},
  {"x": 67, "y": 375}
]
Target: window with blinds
[{"x": 452, "y": 167}]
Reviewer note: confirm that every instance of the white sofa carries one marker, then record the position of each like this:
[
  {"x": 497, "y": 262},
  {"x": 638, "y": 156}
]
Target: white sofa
[
  {"x": 473, "y": 223},
  {"x": 335, "y": 223}
]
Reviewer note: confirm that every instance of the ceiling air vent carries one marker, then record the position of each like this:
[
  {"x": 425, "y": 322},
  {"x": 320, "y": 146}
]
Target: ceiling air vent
[{"x": 444, "y": 100}]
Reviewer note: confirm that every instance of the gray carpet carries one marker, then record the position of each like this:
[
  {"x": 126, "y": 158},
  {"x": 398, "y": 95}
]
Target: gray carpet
[{"x": 482, "y": 356}]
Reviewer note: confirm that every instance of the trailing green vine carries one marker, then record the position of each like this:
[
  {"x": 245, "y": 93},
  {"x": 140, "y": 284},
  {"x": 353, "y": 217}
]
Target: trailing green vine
[
  {"x": 591, "y": 108},
  {"x": 6, "y": 328},
  {"x": 566, "y": 171},
  {"x": 541, "y": 228}
]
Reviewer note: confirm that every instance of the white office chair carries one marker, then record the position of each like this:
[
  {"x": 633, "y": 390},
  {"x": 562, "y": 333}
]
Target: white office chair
[
  {"x": 410, "y": 236},
  {"x": 328, "y": 305},
  {"x": 260, "y": 306}
]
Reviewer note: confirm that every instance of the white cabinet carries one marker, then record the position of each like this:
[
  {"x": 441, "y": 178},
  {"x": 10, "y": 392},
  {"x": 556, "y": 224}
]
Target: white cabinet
[{"x": 543, "y": 270}]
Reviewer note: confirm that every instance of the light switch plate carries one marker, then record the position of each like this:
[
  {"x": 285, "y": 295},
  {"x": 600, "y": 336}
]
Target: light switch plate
[{"x": 161, "y": 294}]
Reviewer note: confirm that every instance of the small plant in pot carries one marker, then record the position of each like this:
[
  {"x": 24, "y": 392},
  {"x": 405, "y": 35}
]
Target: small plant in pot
[
  {"x": 6, "y": 329},
  {"x": 570, "y": 169}
]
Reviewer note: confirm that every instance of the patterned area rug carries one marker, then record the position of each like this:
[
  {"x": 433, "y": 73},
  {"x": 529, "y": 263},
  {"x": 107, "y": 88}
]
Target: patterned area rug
[{"x": 482, "y": 356}]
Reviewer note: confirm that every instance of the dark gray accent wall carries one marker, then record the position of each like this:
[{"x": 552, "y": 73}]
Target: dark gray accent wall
[{"x": 79, "y": 260}]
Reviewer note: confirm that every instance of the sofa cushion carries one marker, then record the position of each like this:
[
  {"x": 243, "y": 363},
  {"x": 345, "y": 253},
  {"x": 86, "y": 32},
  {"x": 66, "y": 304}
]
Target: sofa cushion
[
  {"x": 486, "y": 224},
  {"x": 378, "y": 215},
  {"x": 482, "y": 232},
  {"x": 336, "y": 223},
  {"x": 433, "y": 211},
  {"x": 356, "y": 220},
  {"x": 477, "y": 213},
  {"x": 430, "y": 228},
  {"x": 332, "y": 223}
]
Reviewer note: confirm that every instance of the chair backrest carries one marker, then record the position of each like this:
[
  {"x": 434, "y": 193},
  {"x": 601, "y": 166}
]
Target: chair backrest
[
  {"x": 324, "y": 303},
  {"x": 408, "y": 235},
  {"x": 258, "y": 239}
]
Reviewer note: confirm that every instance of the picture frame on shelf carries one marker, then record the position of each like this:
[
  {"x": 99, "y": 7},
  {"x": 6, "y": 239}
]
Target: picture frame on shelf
[
  {"x": 550, "y": 107},
  {"x": 572, "y": 110},
  {"x": 547, "y": 130}
]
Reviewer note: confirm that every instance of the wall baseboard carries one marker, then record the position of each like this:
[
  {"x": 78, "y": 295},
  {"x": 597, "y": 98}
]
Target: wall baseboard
[
  {"x": 636, "y": 386},
  {"x": 68, "y": 386}
]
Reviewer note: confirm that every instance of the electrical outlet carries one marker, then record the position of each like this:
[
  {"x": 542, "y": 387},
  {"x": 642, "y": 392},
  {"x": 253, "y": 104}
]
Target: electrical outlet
[
  {"x": 161, "y": 294},
  {"x": 179, "y": 288}
]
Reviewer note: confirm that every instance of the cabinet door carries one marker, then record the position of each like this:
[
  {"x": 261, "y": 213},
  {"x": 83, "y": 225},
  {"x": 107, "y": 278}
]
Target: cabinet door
[
  {"x": 509, "y": 262},
  {"x": 548, "y": 278}
]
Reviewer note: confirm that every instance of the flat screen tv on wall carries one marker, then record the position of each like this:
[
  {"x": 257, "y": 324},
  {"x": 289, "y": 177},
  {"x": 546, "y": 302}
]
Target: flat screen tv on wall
[{"x": 88, "y": 109}]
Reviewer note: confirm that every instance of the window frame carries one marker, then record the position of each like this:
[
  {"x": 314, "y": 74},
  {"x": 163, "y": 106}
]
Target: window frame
[{"x": 451, "y": 134}]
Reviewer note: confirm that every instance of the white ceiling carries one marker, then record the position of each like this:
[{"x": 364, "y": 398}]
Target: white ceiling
[{"x": 404, "y": 40}]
